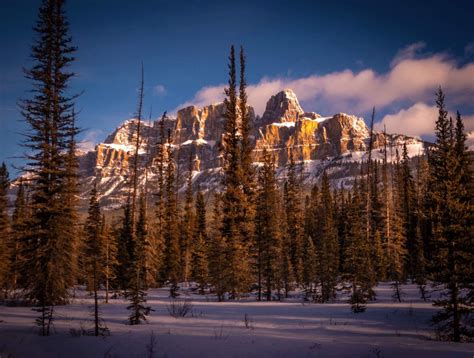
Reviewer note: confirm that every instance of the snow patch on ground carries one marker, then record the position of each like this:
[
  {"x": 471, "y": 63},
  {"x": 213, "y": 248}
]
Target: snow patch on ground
[{"x": 291, "y": 328}]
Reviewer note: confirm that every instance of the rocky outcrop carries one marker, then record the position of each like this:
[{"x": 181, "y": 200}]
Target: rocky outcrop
[
  {"x": 197, "y": 133},
  {"x": 282, "y": 107}
]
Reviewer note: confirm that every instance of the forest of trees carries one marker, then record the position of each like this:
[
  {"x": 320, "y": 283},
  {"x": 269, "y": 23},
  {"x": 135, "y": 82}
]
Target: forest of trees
[{"x": 402, "y": 219}]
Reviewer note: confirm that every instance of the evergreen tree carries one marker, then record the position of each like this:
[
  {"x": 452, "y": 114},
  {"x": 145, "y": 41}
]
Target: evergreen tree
[
  {"x": 109, "y": 258},
  {"x": 160, "y": 200},
  {"x": 187, "y": 226},
  {"x": 387, "y": 213},
  {"x": 93, "y": 255},
  {"x": 126, "y": 247},
  {"x": 267, "y": 234},
  {"x": 397, "y": 246},
  {"x": 357, "y": 253},
  {"x": 18, "y": 232},
  {"x": 237, "y": 271},
  {"x": 246, "y": 160},
  {"x": 310, "y": 267},
  {"x": 5, "y": 249},
  {"x": 200, "y": 252},
  {"x": 327, "y": 244},
  {"x": 49, "y": 115},
  {"x": 217, "y": 251},
  {"x": 423, "y": 227},
  {"x": 145, "y": 253},
  {"x": 294, "y": 217},
  {"x": 452, "y": 227},
  {"x": 170, "y": 224},
  {"x": 408, "y": 211}
]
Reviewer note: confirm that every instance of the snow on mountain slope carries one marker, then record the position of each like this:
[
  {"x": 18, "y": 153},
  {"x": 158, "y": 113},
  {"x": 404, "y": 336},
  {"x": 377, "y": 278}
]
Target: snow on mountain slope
[{"x": 334, "y": 142}]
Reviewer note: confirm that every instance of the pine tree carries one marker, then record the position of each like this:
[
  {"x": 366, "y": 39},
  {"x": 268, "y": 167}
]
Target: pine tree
[
  {"x": 237, "y": 271},
  {"x": 294, "y": 217},
  {"x": 109, "y": 258},
  {"x": 357, "y": 252},
  {"x": 160, "y": 200},
  {"x": 70, "y": 218},
  {"x": 187, "y": 226},
  {"x": 145, "y": 253},
  {"x": 452, "y": 226},
  {"x": 397, "y": 248},
  {"x": 377, "y": 218},
  {"x": 408, "y": 208},
  {"x": 50, "y": 118},
  {"x": 18, "y": 232},
  {"x": 327, "y": 244},
  {"x": 310, "y": 267},
  {"x": 216, "y": 255},
  {"x": 126, "y": 247},
  {"x": 93, "y": 254},
  {"x": 200, "y": 252},
  {"x": 247, "y": 168},
  {"x": 387, "y": 212},
  {"x": 170, "y": 223},
  {"x": 268, "y": 241},
  {"x": 5, "y": 248}
]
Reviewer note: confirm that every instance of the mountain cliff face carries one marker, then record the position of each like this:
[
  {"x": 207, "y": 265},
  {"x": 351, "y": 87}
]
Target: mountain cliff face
[{"x": 335, "y": 143}]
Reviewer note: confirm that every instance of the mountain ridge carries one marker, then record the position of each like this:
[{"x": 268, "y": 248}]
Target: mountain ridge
[{"x": 317, "y": 142}]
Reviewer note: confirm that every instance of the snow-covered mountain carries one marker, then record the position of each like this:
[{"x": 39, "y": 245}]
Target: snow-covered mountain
[{"x": 335, "y": 143}]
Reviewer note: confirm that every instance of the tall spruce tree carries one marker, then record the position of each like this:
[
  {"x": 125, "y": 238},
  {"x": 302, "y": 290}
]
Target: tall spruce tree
[
  {"x": 18, "y": 232},
  {"x": 5, "y": 247},
  {"x": 397, "y": 253},
  {"x": 423, "y": 227},
  {"x": 93, "y": 253},
  {"x": 246, "y": 158},
  {"x": 200, "y": 245},
  {"x": 145, "y": 252},
  {"x": 160, "y": 199},
  {"x": 357, "y": 252},
  {"x": 452, "y": 227},
  {"x": 327, "y": 244},
  {"x": 217, "y": 251},
  {"x": 237, "y": 271},
  {"x": 187, "y": 226},
  {"x": 294, "y": 217},
  {"x": 408, "y": 211},
  {"x": 268, "y": 240},
  {"x": 126, "y": 247},
  {"x": 170, "y": 223},
  {"x": 109, "y": 258},
  {"x": 49, "y": 115}
]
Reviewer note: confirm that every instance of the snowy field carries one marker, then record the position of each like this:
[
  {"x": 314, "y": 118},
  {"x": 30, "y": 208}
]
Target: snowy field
[{"x": 213, "y": 329}]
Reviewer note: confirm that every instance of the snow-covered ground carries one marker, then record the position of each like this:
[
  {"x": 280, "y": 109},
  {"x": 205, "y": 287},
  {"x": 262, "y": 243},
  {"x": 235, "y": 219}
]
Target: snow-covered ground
[{"x": 213, "y": 329}]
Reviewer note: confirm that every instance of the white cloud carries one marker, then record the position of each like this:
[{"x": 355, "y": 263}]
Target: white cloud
[
  {"x": 159, "y": 90},
  {"x": 410, "y": 51},
  {"x": 409, "y": 80},
  {"x": 90, "y": 139},
  {"x": 417, "y": 120}
]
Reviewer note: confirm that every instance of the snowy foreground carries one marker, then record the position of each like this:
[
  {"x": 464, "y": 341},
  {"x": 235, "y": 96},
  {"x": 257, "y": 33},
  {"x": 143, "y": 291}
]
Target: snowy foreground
[{"x": 213, "y": 329}]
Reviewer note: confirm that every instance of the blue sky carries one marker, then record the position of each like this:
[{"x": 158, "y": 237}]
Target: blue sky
[{"x": 337, "y": 55}]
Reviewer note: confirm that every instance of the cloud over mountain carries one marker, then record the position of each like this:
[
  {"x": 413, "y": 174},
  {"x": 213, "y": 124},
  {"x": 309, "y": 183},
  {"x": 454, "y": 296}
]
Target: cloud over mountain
[{"x": 412, "y": 80}]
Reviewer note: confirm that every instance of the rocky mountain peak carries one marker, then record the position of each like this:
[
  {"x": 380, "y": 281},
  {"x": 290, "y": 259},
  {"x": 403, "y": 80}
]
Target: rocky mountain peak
[
  {"x": 282, "y": 107},
  {"x": 318, "y": 142}
]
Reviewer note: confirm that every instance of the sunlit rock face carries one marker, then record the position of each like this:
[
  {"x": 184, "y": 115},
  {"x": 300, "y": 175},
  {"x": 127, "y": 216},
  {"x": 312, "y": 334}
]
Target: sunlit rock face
[{"x": 338, "y": 141}]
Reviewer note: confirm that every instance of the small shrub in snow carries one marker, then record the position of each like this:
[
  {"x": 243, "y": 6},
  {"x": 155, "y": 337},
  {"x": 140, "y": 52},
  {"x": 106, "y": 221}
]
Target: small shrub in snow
[
  {"x": 220, "y": 334},
  {"x": 248, "y": 322},
  {"x": 179, "y": 308}
]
